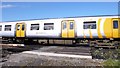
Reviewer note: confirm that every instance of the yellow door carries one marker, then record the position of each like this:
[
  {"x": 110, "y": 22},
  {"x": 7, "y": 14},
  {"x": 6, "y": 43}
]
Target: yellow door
[
  {"x": 71, "y": 29},
  {"x": 20, "y": 30},
  {"x": 64, "y": 29},
  {"x": 119, "y": 27},
  {"x": 116, "y": 28},
  {"x": 68, "y": 29}
]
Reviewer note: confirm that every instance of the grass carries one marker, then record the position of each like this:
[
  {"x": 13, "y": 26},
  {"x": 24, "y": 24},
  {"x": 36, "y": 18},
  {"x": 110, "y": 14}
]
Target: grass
[{"x": 111, "y": 63}]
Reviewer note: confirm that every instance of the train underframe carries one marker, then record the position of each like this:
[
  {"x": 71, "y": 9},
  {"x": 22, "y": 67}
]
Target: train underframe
[{"x": 112, "y": 42}]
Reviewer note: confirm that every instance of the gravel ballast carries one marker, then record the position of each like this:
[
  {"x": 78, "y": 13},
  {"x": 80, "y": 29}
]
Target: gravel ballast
[{"x": 22, "y": 59}]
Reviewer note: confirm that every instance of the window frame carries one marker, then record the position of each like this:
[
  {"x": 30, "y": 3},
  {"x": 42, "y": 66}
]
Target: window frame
[
  {"x": 89, "y": 25},
  {"x": 115, "y": 24},
  {"x": 50, "y": 26},
  {"x": 32, "y": 28},
  {"x": 6, "y": 28}
]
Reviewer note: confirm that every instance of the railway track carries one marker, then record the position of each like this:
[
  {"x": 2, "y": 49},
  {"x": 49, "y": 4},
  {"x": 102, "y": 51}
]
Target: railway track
[
  {"x": 53, "y": 51},
  {"x": 8, "y": 49}
]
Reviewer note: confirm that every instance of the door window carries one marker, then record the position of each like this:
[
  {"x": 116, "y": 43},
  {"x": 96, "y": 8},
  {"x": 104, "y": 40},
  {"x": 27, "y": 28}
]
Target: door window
[
  {"x": 64, "y": 25},
  {"x": 18, "y": 27},
  {"x": 22, "y": 27},
  {"x": 71, "y": 25},
  {"x": 115, "y": 24}
]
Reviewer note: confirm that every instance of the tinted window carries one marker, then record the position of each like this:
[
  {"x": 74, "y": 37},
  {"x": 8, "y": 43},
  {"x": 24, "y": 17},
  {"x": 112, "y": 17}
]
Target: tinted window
[
  {"x": 89, "y": 25},
  {"x": 64, "y": 25},
  {"x": 18, "y": 27},
  {"x": 86, "y": 26},
  {"x": 7, "y": 27},
  {"x": 23, "y": 27},
  {"x": 71, "y": 25},
  {"x": 93, "y": 26},
  {"x": 48, "y": 26},
  {"x": 115, "y": 24},
  {"x": 34, "y": 26},
  {"x": 0, "y": 27}
]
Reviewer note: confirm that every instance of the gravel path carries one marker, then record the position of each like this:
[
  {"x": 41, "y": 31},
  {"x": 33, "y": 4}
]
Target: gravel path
[{"x": 22, "y": 59}]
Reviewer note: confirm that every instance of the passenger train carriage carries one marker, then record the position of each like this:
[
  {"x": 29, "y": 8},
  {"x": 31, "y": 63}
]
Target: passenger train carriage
[{"x": 85, "y": 27}]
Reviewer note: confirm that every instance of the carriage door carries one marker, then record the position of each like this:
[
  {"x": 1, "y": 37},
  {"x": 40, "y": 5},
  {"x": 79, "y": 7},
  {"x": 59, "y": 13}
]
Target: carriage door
[
  {"x": 116, "y": 28},
  {"x": 20, "y": 30},
  {"x": 68, "y": 29}
]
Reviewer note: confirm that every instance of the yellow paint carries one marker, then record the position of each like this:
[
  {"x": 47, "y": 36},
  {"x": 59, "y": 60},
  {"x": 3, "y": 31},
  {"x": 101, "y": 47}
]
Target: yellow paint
[
  {"x": 119, "y": 27},
  {"x": 90, "y": 34},
  {"x": 98, "y": 29},
  {"x": 19, "y": 31},
  {"x": 23, "y": 31},
  {"x": 71, "y": 32},
  {"x": 108, "y": 28},
  {"x": 67, "y": 32},
  {"x": 64, "y": 31},
  {"x": 116, "y": 32},
  {"x": 84, "y": 34}
]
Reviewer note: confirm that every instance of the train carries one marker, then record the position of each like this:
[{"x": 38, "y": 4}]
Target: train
[{"x": 90, "y": 28}]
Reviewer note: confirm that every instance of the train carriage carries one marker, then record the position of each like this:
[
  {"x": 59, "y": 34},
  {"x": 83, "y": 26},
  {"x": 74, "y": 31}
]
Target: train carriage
[{"x": 89, "y": 27}]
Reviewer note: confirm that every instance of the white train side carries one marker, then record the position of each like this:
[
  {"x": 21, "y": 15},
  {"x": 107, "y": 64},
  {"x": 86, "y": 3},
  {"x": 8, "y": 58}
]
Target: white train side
[{"x": 63, "y": 28}]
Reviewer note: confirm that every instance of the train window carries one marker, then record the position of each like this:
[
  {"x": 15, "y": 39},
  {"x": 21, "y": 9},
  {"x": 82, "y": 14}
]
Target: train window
[
  {"x": 71, "y": 25},
  {"x": 23, "y": 27},
  {"x": 7, "y": 27},
  {"x": 64, "y": 25},
  {"x": 34, "y": 26},
  {"x": 18, "y": 27},
  {"x": 86, "y": 26},
  {"x": 48, "y": 26},
  {"x": 93, "y": 26},
  {"x": 89, "y": 25},
  {"x": 0, "y": 27},
  {"x": 115, "y": 24}
]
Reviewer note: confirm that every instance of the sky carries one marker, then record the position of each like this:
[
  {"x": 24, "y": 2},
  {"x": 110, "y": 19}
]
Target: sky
[{"x": 13, "y": 11}]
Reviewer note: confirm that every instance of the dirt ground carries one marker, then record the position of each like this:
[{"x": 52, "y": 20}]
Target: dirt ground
[{"x": 22, "y": 59}]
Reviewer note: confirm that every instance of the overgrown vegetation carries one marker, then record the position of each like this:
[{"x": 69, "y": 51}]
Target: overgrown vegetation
[
  {"x": 112, "y": 57},
  {"x": 100, "y": 53},
  {"x": 111, "y": 63}
]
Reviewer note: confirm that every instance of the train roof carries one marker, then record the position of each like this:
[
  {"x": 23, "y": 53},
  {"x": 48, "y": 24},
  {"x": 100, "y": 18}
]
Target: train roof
[{"x": 63, "y": 18}]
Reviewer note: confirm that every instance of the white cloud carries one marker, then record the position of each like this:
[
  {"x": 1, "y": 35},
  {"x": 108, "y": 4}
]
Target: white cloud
[{"x": 6, "y": 6}]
